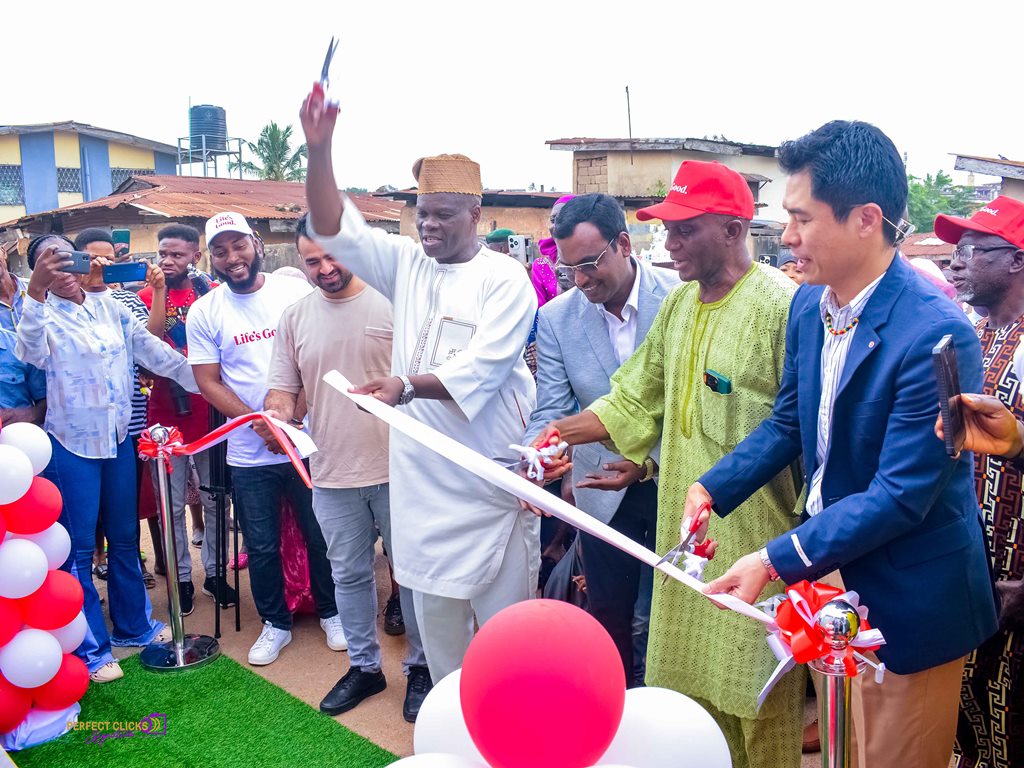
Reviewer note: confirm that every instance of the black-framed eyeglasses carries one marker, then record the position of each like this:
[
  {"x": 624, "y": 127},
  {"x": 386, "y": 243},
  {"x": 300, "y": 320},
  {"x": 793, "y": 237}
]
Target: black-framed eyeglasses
[
  {"x": 587, "y": 267},
  {"x": 967, "y": 251}
]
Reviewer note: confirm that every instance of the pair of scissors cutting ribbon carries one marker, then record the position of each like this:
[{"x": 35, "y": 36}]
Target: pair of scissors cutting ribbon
[{"x": 677, "y": 552}]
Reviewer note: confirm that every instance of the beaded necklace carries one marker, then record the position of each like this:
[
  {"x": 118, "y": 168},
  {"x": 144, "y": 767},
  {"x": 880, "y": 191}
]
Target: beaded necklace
[{"x": 841, "y": 331}]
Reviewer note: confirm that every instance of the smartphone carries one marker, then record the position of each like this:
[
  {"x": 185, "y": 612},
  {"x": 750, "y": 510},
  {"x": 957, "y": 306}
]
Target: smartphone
[
  {"x": 128, "y": 272},
  {"x": 81, "y": 262},
  {"x": 947, "y": 374},
  {"x": 122, "y": 242},
  {"x": 716, "y": 382}
]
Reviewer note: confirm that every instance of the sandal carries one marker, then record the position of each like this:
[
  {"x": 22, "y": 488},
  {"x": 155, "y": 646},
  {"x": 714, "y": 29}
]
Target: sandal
[
  {"x": 100, "y": 571},
  {"x": 148, "y": 579}
]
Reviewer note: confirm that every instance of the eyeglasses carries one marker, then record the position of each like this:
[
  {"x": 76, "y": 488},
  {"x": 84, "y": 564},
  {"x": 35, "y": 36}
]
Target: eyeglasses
[
  {"x": 967, "y": 251},
  {"x": 587, "y": 267}
]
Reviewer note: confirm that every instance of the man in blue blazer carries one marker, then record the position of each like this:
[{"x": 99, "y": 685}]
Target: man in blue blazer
[
  {"x": 583, "y": 336},
  {"x": 886, "y": 507}
]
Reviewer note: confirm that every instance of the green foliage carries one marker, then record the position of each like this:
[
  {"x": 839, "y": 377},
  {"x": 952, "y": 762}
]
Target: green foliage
[
  {"x": 937, "y": 194},
  {"x": 357, "y": 190},
  {"x": 277, "y": 160}
]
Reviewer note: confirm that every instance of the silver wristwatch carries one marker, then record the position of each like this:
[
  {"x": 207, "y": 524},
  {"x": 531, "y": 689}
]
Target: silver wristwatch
[
  {"x": 408, "y": 391},
  {"x": 766, "y": 561}
]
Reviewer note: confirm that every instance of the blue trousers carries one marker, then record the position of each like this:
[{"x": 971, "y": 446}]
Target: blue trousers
[{"x": 104, "y": 489}]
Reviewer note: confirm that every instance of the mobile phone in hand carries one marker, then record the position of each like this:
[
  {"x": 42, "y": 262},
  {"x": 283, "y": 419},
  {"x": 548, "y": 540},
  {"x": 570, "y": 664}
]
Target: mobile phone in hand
[
  {"x": 947, "y": 374},
  {"x": 81, "y": 262},
  {"x": 122, "y": 243},
  {"x": 128, "y": 272}
]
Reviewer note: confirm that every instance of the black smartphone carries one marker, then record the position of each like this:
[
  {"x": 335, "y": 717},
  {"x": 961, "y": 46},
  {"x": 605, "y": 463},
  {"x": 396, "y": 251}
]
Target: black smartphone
[
  {"x": 947, "y": 374},
  {"x": 122, "y": 242},
  {"x": 81, "y": 262},
  {"x": 128, "y": 272}
]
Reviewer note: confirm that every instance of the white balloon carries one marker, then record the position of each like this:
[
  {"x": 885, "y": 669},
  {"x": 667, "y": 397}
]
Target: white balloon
[
  {"x": 23, "y": 568},
  {"x": 440, "y": 726},
  {"x": 54, "y": 541},
  {"x": 15, "y": 473},
  {"x": 71, "y": 635},
  {"x": 437, "y": 760},
  {"x": 656, "y": 722},
  {"x": 31, "y": 659},
  {"x": 33, "y": 441}
]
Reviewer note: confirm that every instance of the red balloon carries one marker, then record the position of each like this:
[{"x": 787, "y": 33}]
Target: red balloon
[
  {"x": 542, "y": 687},
  {"x": 66, "y": 687},
  {"x": 54, "y": 604},
  {"x": 14, "y": 705},
  {"x": 11, "y": 620},
  {"x": 36, "y": 511}
]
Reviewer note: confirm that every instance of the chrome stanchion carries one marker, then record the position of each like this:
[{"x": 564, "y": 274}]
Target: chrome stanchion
[
  {"x": 840, "y": 624},
  {"x": 183, "y": 651}
]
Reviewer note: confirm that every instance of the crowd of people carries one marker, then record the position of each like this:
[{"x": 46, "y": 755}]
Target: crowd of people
[{"x": 789, "y": 410}]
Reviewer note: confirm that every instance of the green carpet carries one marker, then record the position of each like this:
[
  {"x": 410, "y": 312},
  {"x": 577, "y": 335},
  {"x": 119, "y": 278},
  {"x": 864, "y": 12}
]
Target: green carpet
[{"x": 219, "y": 716}]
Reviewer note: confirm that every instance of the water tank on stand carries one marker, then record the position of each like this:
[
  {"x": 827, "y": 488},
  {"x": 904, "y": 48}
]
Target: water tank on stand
[{"x": 211, "y": 122}]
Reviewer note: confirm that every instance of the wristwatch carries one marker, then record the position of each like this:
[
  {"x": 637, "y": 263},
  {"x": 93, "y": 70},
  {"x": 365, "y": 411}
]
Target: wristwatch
[
  {"x": 649, "y": 471},
  {"x": 766, "y": 561},
  {"x": 408, "y": 391}
]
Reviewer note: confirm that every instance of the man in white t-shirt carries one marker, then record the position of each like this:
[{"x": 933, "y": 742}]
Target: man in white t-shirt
[
  {"x": 462, "y": 317},
  {"x": 230, "y": 335}
]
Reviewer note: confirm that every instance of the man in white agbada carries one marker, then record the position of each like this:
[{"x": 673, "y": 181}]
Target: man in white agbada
[{"x": 462, "y": 315}]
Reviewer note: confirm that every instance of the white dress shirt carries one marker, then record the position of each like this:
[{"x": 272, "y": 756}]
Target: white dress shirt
[
  {"x": 622, "y": 333},
  {"x": 88, "y": 352},
  {"x": 833, "y": 361}
]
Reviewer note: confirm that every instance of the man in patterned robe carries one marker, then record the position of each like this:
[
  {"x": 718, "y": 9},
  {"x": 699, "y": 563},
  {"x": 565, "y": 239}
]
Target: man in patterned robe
[{"x": 988, "y": 271}]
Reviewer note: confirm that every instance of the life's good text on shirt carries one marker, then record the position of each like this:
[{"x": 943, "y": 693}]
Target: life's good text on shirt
[{"x": 245, "y": 338}]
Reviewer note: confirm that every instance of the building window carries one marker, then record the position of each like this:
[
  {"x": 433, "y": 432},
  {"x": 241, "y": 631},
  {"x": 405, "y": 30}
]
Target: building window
[
  {"x": 118, "y": 176},
  {"x": 12, "y": 191},
  {"x": 69, "y": 179}
]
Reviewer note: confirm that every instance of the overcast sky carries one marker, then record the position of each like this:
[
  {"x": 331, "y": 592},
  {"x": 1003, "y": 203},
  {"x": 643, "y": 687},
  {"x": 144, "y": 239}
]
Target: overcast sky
[{"x": 494, "y": 80}]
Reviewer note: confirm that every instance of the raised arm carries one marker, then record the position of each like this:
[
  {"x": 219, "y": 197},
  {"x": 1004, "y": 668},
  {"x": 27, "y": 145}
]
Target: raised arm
[{"x": 325, "y": 204}]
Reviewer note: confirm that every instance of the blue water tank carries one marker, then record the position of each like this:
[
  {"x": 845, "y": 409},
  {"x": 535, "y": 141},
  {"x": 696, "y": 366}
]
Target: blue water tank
[{"x": 210, "y": 121}]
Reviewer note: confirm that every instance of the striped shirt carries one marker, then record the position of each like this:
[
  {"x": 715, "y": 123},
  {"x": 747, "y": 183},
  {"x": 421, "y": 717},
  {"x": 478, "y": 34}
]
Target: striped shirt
[
  {"x": 140, "y": 402},
  {"x": 833, "y": 361}
]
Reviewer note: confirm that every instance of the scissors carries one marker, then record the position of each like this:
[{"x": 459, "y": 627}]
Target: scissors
[
  {"x": 677, "y": 552},
  {"x": 325, "y": 72}
]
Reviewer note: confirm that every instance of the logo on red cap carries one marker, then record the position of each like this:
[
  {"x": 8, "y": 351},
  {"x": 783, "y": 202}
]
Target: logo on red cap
[{"x": 699, "y": 188}]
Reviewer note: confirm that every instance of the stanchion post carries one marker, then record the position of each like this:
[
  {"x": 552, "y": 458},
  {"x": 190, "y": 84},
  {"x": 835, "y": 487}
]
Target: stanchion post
[
  {"x": 840, "y": 624},
  {"x": 183, "y": 651}
]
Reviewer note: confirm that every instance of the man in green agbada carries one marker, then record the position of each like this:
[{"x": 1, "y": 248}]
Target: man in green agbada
[{"x": 703, "y": 379}]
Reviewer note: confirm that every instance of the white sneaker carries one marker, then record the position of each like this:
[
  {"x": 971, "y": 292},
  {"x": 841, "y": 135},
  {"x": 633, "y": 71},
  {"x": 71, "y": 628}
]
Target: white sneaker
[
  {"x": 335, "y": 633},
  {"x": 268, "y": 645}
]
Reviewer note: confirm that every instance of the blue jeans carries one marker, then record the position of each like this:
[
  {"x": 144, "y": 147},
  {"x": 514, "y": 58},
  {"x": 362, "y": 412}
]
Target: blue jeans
[
  {"x": 104, "y": 488},
  {"x": 349, "y": 519},
  {"x": 257, "y": 494}
]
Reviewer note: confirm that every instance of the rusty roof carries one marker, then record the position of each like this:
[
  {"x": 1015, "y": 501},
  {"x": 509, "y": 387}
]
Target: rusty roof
[
  {"x": 513, "y": 198},
  {"x": 926, "y": 245},
  {"x": 714, "y": 146},
  {"x": 199, "y": 197}
]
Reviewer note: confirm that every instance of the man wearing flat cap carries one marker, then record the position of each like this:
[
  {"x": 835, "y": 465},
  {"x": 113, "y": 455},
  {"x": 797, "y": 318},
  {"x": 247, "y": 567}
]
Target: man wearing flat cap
[{"x": 462, "y": 315}]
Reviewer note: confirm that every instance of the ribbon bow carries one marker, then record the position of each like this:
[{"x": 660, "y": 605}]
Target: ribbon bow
[
  {"x": 536, "y": 458},
  {"x": 795, "y": 637},
  {"x": 148, "y": 448}
]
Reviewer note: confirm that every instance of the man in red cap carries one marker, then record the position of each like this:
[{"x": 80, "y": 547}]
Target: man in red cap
[
  {"x": 988, "y": 271},
  {"x": 704, "y": 378}
]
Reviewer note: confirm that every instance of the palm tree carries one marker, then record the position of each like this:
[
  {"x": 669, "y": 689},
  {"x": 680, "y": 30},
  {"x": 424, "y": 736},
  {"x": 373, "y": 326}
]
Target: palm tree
[{"x": 274, "y": 152}]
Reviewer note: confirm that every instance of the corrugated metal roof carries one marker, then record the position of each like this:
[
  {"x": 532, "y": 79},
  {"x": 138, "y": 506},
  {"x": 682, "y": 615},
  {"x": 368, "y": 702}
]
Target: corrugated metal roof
[
  {"x": 927, "y": 245},
  {"x": 996, "y": 160},
  {"x": 181, "y": 197},
  {"x": 71, "y": 126},
  {"x": 714, "y": 146}
]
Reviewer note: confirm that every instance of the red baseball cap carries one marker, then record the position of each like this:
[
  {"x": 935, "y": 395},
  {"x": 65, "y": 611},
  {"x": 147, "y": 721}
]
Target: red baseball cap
[
  {"x": 700, "y": 188},
  {"x": 1003, "y": 217}
]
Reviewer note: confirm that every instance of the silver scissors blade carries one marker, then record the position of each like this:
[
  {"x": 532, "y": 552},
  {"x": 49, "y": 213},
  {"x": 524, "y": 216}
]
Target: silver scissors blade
[
  {"x": 515, "y": 466},
  {"x": 325, "y": 72}
]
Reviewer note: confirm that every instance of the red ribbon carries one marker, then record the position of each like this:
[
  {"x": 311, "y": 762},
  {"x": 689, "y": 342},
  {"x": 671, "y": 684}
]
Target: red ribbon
[
  {"x": 805, "y": 640},
  {"x": 174, "y": 446}
]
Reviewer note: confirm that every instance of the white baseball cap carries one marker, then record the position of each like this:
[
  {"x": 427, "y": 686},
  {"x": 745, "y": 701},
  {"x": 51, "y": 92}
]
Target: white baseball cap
[{"x": 226, "y": 222}]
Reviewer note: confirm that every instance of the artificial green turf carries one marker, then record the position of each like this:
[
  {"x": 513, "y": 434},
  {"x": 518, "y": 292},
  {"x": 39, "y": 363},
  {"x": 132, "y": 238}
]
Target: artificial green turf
[{"x": 219, "y": 716}]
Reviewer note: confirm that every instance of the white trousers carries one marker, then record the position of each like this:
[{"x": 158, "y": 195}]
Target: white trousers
[{"x": 447, "y": 624}]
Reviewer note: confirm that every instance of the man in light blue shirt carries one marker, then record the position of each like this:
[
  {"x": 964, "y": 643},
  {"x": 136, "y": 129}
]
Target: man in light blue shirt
[{"x": 22, "y": 386}]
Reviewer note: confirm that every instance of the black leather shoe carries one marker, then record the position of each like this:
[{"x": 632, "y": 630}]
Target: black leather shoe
[
  {"x": 352, "y": 689},
  {"x": 219, "y": 590},
  {"x": 394, "y": 623},
  {"x": 417, "y": 687},
  {"x": 186, "y": 592}
]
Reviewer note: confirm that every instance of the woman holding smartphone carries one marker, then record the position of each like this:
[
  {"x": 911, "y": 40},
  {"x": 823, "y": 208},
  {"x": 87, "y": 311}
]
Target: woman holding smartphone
[{"x": 88, "y": 344}]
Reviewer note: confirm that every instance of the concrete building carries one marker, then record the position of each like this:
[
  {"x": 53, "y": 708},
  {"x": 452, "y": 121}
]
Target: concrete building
[{"x": 52, "y": 165}]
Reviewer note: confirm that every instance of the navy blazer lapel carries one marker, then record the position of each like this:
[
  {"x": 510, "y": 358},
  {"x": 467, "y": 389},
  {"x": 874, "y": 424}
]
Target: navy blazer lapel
[
  {"x": 597, "y": 332},
  {"x": 875, "y": 315}
]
